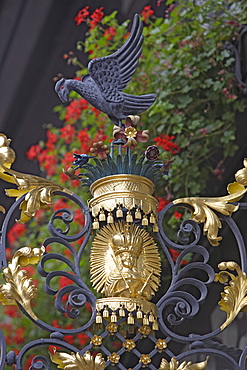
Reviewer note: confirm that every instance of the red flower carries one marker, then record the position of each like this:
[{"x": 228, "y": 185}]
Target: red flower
[
  {"x": 15, "y": 232},
  {"x": 80, "y": 241},
  {"x": 67, "y": 133},
  {"x": 50, "y": 164},
  {"x": 69, "y": 339},
  {"x": 174, "y": 254},
  {"x": 51, "y": 140},
  {"x": 12, "y": 311},
  {"x": 68, "y": 159},
  {"x": 96, "y": 17},
  {"x": 83, "y": 137},
  {"x": 100, "y": 136},
  {"x": 59, "y": 204},
  {"x": 63, "y": 177},
  {"x": 147, "y": 12},
  {"x": 110, "y": 33},
  {"x": 162, "y": 203},
  {"x": 73, "y": 111},
  {"x": 177, "y": 215},
  {"x": 81, "y": 15},
  {"x": 166, "y": 143},
  {"x": 83, "y": 338},
  {"x": 33, "y": 151},
  {"x": 64, "y": 281}
]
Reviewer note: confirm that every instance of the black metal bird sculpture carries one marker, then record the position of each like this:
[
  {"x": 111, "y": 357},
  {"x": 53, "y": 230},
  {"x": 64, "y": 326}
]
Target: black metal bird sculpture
[{"x": 108, "y": 76}]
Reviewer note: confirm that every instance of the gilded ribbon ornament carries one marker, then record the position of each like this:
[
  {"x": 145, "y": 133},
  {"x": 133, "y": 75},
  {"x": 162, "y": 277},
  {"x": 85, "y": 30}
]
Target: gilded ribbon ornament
[
  {"x": 234, "y": 297},
  {"x": 75, "y": 361},
  {"x": 38, "y": 191},
  {"x": 19, "y": 287}
]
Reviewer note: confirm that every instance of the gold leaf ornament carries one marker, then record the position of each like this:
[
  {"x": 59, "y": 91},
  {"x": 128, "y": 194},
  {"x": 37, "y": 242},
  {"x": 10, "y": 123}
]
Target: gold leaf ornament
[
  {"x": 19, "y": 288},
  {"x": 38, "y": 191},
  {"x": 75, "y": 361},
  {"x": 241, "y": 175},
  {"x": 234, "y": 297},
  {"x": 174, "y": 365},
  {"x": 203, "y": 212}
]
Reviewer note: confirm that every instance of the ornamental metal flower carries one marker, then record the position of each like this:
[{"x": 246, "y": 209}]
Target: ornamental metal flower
[
  {"x": 161, "y": 344},
  {"x": 96, "y": 340},
  {"x": 114, "y": 358},
  {"x": 99, "y": 149},
  {"x": 129, "y": 133},
  {"x": 145, "y": 360},
  {"x": 129, "y": 344},
  {"x": 152, "y": 153}
]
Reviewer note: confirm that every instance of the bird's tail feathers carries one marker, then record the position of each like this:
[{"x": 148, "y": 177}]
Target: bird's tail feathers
[{"x": 135, "y": 104}]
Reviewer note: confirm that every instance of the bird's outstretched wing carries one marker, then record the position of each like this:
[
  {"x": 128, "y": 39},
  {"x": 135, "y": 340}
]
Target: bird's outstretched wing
[{"x": 113, "y": 72}]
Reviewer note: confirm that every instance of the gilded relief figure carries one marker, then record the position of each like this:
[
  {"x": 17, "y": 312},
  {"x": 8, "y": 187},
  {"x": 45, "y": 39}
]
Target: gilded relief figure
[{"x": 125, "y": 262}]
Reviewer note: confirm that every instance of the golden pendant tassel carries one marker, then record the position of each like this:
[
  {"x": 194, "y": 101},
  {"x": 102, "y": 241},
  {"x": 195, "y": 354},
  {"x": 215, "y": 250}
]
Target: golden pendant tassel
[
  {"x": 130, "y": 319},
  {"x": 98, "y": 319},
  {"x": 113, "y": 317},
  {"x": 95, "y": 224}
]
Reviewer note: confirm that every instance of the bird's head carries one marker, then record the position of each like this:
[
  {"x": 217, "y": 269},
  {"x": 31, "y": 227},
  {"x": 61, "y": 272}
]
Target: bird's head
[{"x": 62, "y": 89}]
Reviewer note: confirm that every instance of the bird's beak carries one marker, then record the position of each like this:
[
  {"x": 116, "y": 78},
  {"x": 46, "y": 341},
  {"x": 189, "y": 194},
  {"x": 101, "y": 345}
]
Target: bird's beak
[
  {"x": 62, "y": 90},
  {"x": 63, "y": 96}
]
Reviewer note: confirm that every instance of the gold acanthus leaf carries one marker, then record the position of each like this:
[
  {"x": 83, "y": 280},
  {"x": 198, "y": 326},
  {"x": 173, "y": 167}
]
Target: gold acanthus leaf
[
  {"x": 75, "y": 361},
  {"x": 38, "y": 191},
  {"x": 203, "y": 212},
  {"x": 19, "y": 288},
  {"x": 174, "y": 365},
  {"x": 241, "y": 175},
  {"x": 234, "y": 297}
]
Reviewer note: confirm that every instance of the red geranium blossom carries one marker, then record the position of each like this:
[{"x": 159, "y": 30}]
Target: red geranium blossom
[
  {"x": 147, "y": 12},
  {"x": 109, "y": 33},
  {"x": 162, "y": 203},
  {"x": 96, "y": 17},
  {"x": 83, "y": 137},
  {"x": 12, "y": 311},
  {"x": 33, "y": 151},
  {"x": 51, "y": 140},
  {"x": 177, "y": 215},
  {"x": 67, "y": 133},
  {"x": 166, "y": 143},
  {"x": 81, "y": 15},
  {"x": 68, "y": 159},
  {"x": 15, "y": 232},
  {"x": 74, "y": 109},
  {"x": 48, "y": 162},
  {"x": 59, "y": 204}
]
